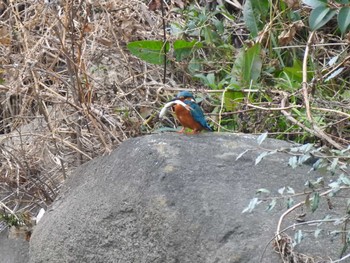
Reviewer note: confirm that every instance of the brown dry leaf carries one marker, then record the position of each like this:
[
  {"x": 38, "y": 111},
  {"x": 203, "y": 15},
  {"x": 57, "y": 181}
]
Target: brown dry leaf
[
  {"x": 88, "y": 28},
  {"x": 288, "y": 34},
  {"x": 5, "y": 38},
  {"x": 293, "y": 4},
  {"x": 127, "y": 28},
  {"x": 105, "y": 42},
  {"x": 145, "y": 112},
  {"x": 154, "y": 5},
  {"x": 181, "y": 4},
  {"x": 298, "y": 25}
]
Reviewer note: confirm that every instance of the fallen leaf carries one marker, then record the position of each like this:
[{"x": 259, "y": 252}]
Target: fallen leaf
[
  {"x": 293, "y": 4},
  {"x": 288, "y": 34},
  {"x": 154, "y": 5},
  {"x": 5, "y": 38}
]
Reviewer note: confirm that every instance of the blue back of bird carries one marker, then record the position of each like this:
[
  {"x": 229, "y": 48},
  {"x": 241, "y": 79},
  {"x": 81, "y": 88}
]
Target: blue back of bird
[{"x": 197, "y": 114}]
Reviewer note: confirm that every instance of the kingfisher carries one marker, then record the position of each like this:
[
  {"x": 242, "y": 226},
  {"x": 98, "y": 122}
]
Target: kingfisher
[{"x": 188, "y": 112}]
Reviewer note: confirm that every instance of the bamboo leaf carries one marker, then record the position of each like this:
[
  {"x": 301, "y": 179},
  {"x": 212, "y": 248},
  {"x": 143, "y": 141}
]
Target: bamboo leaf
[
  {"x": 271, "y": 205},
  {"x": 281, "y": 190},
  {"x": 332, "y": 61},
  {"x": 315, "y": 201},
  {"x": 317, "y": 232},
  {"x": 241, "y": 154},
  {"x": 344, "y": 19},
  {"x": 315, "y": 3},
  {"x": 320, "y": 16},
  {"x": 262, "y": 137},
  {"x": 298, "y": 237},
  {"x": 260, "y": 157},
  {"x": 293, "y": 162},
  {"x": 345, "y": 180},
  {"x": 262, "y": 190},
  {"x": 290, "y": 190},
  {"x": 252, "y": 204},
  {"x": 334, "y": 74}
]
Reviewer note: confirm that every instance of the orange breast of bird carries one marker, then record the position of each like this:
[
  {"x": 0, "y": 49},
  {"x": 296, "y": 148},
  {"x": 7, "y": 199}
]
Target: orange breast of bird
[{"x": 185, "y": 118}]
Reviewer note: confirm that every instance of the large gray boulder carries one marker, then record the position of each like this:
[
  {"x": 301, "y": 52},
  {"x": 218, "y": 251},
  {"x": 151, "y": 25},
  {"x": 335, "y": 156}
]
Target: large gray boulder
[
  {"x": 170, "y": 198},
  {"x": 13, "y": 249}
]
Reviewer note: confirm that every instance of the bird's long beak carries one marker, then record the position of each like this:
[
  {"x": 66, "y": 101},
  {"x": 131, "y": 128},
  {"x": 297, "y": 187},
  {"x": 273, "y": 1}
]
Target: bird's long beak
[{"x": 171, "y": 103}]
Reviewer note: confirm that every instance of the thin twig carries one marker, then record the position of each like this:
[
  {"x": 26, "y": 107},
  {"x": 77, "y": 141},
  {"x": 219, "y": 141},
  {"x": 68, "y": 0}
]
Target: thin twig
[
  {"x": 164, "y": 41},
  {"x": 317, "y": 131}
]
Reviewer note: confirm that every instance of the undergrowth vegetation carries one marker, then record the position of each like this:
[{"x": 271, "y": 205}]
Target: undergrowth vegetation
[
  {"x": 261, "y": 64},
  {"x": 72, "y": 88}
]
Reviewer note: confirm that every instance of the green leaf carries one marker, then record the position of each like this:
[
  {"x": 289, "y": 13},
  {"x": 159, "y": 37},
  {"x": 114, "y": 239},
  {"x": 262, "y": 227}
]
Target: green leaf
[
  {"x": 195, "y": 66},
  {"x": 294, "y": 74},
  {"x": 209, "y": 35},
  {"x": 262, "y": 137},
  {"x": 334, "y": 74},
  {"x": 307, "y": 201},
  {"x": 315, "y": 3},
  {"x": 252, "y": 64},
  {"x": 290, "y": 202},
  {"x": 333, "y": 165},
  {"x": 241, "y": 154},
  {"x": 332, "y": 61},
  {"x": 262, "y": 190},
  {"x": 344, "y": 19},
  {"x": 250, "y": 18},
  {"x": 317, "y": 232},
  {"x": 335, "y": 186},
  {"x": 151, "y": 51},
  {"x": 345, "y": 94},
  {"x": 211, "y": 80},
  {"x": 260, "y": 157},
  {"x": 290, "y": 190},
  {"x": 345, "y": 179},
  {"x": 208, "y": 80},
  {"x": 252, "y": 204},
  {"x": 232, "y": 98},
  {"x": 298, "y": 236},
  {"x": 315, "y": 201},
  {"x": 320, "y": 16},
  {"x": 219, "y": 25},
  {"x": 293, "y": 162},
  {"x": 183, "y": 48},
  {"x": 343, "y": 1},
  {"x": 303, "y": 158},
  {"x": 281, "y": 190},
  {"x": 271, "y": 205}
]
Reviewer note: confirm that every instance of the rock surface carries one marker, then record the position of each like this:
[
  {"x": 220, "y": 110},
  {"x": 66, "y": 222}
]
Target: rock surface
[
  {"x": 169, "y": 198},
  {"x": 13, "y": 250}
]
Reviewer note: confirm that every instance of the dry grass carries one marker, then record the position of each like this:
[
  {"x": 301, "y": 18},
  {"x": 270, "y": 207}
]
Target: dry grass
[{"x": 69, "y": 90}]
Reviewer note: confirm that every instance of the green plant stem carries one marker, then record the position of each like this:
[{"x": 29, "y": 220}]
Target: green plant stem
[
  {"x": 293, "y": 226},
  {"x": 278, "y": 231},
  {"x": 221, "y": 108}
]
